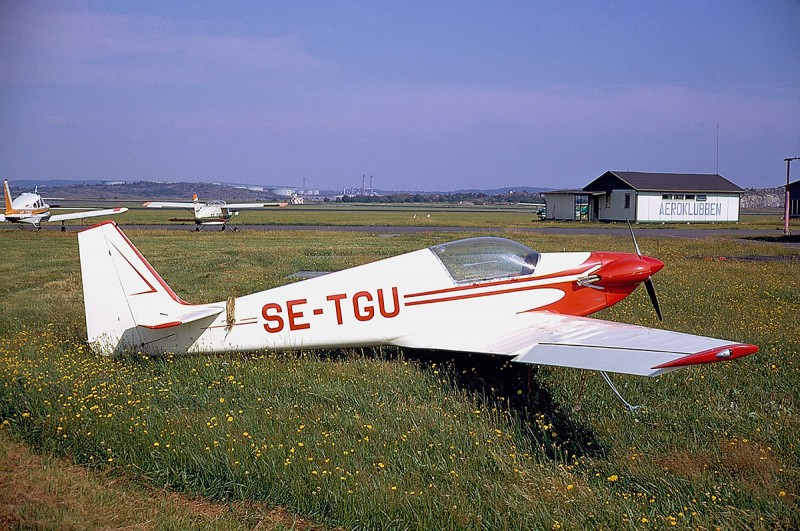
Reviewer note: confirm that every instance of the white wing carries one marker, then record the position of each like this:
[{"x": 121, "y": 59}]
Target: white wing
[
  {"x": 239, "y": 206},
  {"x": 580, "y": 342},
  {"x": 87, "y": 214},
  {"x": 167, "y": 204}
]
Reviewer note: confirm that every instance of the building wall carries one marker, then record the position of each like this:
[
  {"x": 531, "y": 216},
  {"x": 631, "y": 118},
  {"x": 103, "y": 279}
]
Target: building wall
[
  {"x": 717, "y": 207},
  {"x": 611, "y": 206},
  {"x": 560, "y": 206}
]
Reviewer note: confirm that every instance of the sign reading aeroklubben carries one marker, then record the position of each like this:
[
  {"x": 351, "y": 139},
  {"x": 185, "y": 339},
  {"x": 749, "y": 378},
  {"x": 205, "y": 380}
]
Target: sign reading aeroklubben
[
  {"x": 687, "y": 207},
  {"x": 690, "y": 209}
]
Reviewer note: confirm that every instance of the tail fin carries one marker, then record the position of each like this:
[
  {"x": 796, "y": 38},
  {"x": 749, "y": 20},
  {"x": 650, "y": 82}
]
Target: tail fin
[
  {"x": 7, "y": 193},
  {"x": 125, "y": 299},
  {"x": 197, "y": 205}
]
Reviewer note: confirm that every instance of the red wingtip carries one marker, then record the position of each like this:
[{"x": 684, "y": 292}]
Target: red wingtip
[{"x": 728, "y": 352}]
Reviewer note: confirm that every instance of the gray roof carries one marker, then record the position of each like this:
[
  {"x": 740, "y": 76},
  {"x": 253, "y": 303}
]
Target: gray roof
[
  {"x": 572, "y": 191},
  {"x": 665, "y": 182},
  {"x": 565, "y": 191}
]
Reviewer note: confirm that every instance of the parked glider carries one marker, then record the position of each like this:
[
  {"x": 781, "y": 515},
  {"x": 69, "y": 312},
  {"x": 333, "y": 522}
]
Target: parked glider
[
  {"x": 210, "y": 213},
  {"x": 31, "y": 208},
  {"x": 484, "y": 295}
]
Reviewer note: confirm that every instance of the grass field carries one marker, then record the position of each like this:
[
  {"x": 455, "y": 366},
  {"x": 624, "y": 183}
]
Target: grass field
[
  {"x": 400, "y": 439},
  {"x": 430, "y": 215}
]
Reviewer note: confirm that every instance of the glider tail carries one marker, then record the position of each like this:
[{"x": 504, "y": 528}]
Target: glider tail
[{"x": 127, "y": 303}]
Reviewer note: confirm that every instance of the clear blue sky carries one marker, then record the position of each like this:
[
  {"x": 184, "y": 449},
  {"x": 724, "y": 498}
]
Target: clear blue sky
[{"x": 421, "y": 95}]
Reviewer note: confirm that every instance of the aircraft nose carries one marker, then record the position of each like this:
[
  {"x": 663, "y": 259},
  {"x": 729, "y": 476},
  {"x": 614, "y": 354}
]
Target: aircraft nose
[
  {"x": 655, "y": 265},
  {"x": 628, "y": 269}
]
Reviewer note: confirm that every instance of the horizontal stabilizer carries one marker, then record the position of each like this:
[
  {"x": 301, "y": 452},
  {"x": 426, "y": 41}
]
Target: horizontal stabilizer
[{"x": 170, "y": 321}]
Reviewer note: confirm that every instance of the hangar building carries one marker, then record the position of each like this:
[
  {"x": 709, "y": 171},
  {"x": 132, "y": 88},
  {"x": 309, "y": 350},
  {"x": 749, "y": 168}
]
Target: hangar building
[{"x": 648, "y": 197}]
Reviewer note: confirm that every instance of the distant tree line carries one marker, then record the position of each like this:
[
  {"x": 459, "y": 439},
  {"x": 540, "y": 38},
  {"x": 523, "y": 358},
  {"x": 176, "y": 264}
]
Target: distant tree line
[{"x": 461, "y": 197}]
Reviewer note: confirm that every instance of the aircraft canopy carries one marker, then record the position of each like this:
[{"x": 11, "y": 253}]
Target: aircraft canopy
[{"x": 485, "y": 258}]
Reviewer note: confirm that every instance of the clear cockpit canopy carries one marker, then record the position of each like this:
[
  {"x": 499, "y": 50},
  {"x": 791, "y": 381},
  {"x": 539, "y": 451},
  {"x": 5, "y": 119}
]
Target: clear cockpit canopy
[{"x": 485, "y": 258}]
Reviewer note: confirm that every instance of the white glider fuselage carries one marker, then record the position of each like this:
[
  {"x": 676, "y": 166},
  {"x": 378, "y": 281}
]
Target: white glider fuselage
[
  {"x": 375, "y": 304},
  {"x": 486, "y": 295}
]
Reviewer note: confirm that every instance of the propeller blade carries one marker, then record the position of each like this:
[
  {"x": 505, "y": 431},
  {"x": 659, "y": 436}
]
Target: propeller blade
[
  {"x": 651, "y": 291},
  {"x": 633, "y": 237},
  {"x": 648, "y": 284}
]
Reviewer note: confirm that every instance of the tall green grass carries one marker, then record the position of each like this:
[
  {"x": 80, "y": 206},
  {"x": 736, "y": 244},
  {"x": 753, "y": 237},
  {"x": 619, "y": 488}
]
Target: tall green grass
[{"x": 403, "y": 439}]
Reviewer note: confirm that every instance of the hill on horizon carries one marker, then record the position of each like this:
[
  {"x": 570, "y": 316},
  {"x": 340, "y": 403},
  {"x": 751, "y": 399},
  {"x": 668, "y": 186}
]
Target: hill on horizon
[
  {"x": 100, "y": 189},
  {"x": 760, "y": 198}
]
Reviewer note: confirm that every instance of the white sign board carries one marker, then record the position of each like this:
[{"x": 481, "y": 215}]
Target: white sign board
[{"x": 669, "y": 207}]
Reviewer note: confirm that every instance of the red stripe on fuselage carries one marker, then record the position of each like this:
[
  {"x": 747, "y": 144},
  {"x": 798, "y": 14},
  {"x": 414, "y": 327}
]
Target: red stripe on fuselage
[{"x": 519, "y": 280}]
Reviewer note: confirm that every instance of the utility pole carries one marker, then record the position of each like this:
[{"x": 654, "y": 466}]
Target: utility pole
[{"x": 788, "y": 197}]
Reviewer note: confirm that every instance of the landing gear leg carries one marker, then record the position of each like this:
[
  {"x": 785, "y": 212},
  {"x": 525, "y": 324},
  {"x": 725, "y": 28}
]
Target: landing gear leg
[
  {"x": 223, "y": 227},
  {"x": 63, "y": 227}
]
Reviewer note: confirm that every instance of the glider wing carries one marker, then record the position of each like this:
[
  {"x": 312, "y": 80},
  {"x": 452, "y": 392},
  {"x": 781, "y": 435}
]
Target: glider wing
[
  {"x": 581, "y": 342},
  {"x": 87, "y": 214}
]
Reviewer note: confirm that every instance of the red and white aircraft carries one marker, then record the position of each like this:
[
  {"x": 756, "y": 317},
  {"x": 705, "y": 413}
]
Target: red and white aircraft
[
  {"x": 31, "y": 208},
  {"x": 211, "y": 213},
  {"x": 484, "y": 295}
]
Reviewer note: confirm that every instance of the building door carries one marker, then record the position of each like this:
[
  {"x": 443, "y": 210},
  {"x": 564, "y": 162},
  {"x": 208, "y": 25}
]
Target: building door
[{"x": 581, "y": 207}]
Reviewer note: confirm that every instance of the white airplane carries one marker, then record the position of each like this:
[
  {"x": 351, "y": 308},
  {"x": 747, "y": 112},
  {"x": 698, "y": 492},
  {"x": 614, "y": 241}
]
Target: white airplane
[
  {"x": 483, "y": 295},
  {"x": 211, "y": 213},
  {"x": 31, "y": 208}
]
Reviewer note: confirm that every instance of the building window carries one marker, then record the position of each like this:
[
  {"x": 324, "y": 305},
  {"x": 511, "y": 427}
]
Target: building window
[
  {"x": 627, "y": 200},
  {"x": 700, "y": 198},
  {"x": 666, "y": 197}
]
